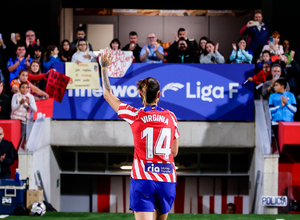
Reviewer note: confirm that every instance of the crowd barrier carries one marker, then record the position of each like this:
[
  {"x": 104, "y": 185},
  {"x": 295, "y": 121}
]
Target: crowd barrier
[{"x": 192, "y": 91}]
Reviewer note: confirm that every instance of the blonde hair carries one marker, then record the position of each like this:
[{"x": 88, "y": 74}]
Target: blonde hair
[{"x": 87, "y": 46}]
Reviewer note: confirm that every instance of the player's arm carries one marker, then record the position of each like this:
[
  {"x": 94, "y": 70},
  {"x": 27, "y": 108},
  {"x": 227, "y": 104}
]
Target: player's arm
[
  {"x": 175, "y": 147},
  {"x": 106, "y": 60}
]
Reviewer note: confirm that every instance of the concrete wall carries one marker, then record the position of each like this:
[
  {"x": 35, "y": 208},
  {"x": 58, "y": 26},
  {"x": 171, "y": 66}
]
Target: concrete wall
[{"x": 118, "y": 133}]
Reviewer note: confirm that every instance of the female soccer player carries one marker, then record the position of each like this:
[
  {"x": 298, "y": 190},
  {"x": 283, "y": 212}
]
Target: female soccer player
[{"x": 155, "y": 132}]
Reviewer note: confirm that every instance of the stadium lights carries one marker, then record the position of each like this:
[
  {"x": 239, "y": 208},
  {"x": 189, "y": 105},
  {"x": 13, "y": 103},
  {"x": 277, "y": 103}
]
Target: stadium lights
[{"x": 129, "y": 167}]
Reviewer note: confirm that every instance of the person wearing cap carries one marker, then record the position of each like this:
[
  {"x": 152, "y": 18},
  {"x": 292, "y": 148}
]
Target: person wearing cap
[
  {"x": 6, "y": 156},
  {"x": 211, "y": 54}
]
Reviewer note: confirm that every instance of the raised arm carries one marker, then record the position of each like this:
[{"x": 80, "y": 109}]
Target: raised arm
[{"x": 112, "y": 100}]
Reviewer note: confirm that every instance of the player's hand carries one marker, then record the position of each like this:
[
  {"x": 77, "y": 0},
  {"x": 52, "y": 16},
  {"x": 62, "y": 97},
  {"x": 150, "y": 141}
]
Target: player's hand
[{"x": 106, "y": 58}]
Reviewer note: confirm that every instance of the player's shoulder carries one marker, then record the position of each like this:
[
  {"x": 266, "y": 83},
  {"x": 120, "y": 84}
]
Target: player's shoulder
[{"x": 126, "y": 108}]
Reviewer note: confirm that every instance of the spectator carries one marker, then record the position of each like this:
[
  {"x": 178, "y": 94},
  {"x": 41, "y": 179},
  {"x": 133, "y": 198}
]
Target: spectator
[
  {"x": 81, "y": 34},
  {"x": 50, "y": 57},
  {"x": 181, "y": 33},
  {"x": 133, "y": 46},
  {"x": 23, "y": 77},
  {"x": 263, "y": 75},
  {"x": 15, "y": 39},
  {"x": 35, "y": 76},
  {"x": 274, "y": 47},
  {"x": 266, "y": 57},
  {"x": 152, "y": 53},
  {"x": 4, "y": 103},
  {"x": 31, "y": 42},
  {"x": 2, "y": 48},
  {"x": 6, "y": 156},
  {"x": 20, "y": 103},
  {"x": 83, "y": 55},
  {"x": 38, "y": 55},
  {"x": 240, "y": 53},
  {"x": 182, "y": 54},
  {"x": 258, "y": 33},
  {"x": 202, "y": 43},
  {"x": 115, "y": 44},
  {"x": 230, "y": 208},
  {"x": 286, "y": 49},
  {"x": 19, "y": 62},
  {"x": 65, "y": 51},
  {"x": 268, "y": 87},
  {"x": 282, "y": 105},
  {"x": 211, "y": 54}
]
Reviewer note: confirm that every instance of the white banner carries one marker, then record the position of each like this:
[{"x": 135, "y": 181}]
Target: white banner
[{"x": 120, "y": 63}]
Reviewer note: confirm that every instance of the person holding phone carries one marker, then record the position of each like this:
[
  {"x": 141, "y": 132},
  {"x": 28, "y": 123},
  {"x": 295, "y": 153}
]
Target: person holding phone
[
  {"x": 258, "y": 34},
  {"x": 274, "y": 47},
  {"x": 268, "y": 87}
]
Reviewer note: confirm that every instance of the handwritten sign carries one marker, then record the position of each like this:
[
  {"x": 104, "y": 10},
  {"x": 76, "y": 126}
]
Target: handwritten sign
[
  {"x": 83, "y": 75},
  {"x": 120, "y": 63},
  {"x": 56, "y": 85}
]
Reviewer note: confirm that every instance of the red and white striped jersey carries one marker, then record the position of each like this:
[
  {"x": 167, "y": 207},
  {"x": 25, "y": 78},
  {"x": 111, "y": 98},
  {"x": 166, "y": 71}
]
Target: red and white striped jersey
[{"x": 154, "y": 130}]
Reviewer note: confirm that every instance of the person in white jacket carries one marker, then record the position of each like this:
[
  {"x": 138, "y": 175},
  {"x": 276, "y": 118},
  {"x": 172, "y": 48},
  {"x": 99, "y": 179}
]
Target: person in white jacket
[
  {"x": 20, "y": 103},
  {"x": 83, "y": 55},
  {"x": 211, "y": 54}
]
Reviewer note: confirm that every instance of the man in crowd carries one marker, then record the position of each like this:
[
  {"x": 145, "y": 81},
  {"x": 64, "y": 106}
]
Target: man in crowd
[
  {"x": 31, "y": 43},
  {"x": 230, "y": 208},
  {"x": 19, "y": 62},
  {"x": 81, "y": 34},
  {"x": 181, "y": 33},
  {"x": 282, "y": 105},
  {"x": 133, "y": 46},
  {"x": 268, "y": 87},
  {"x": 258, "y": 33},
  {"x": 182, "y": 54},
  {"x": 6, "y": 156},
  {"x": 152, "y": 53}
]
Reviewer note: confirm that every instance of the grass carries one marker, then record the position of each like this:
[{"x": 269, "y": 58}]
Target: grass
[{"x": 129, "y": 216}]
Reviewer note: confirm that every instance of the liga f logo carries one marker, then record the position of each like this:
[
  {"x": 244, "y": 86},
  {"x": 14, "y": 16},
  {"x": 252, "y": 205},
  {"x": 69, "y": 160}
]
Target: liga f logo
[{"x": 171, "y": 86}]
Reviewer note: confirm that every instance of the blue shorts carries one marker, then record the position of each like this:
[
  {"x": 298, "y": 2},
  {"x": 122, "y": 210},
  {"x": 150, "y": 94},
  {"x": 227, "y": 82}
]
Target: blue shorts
[{"x": 147, "y": 195}]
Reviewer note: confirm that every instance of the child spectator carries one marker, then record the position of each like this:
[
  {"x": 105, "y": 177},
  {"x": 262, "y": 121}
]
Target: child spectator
[
  {"x": 263, "y": 75},
  {"x": 65, "y": 51},
  {"x": 282, "y": 105},
  {"x": 23, "y": 77},
  {"x": 211, "y": 54},
  {"x": 266, "y": 57},
  {"x": 4, "y": 103},
  {"x": 20, "y": 103},
  {"x": 50, "y": 57},
  {"x": 115, "y": 44},
  {"x": 35, "y": 76},
  {"x": 83, "y": 54},
  {"x": 240, "y": 52}
]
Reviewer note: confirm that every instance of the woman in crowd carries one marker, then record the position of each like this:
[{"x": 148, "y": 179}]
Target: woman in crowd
[
  {"x": 274, "y": 47},
  {"x": 4, "y": 103},
  {"x": 211, "y": 54},
  {"x": 35, "y": 75},
  {"x": 83, "y": 54},
  {"x": 23, "y": 77},
  {"x": 202, "y": 43},
  {"x": 65, "y": 51},
  {"x": 115, "y": 44},
  {"x": 20, "y": 103},
  {"x": 240, "y": 53},
  {"x": 50, "y": 57}
]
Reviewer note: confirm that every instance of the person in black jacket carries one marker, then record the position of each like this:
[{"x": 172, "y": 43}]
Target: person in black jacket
[
  {"x": 6, "y": 156},
  {"x": 133, "y": 46},
  {"x": 182, "y": 54}
]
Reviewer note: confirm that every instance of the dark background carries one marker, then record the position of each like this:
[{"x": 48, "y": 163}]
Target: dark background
[{"x": 42, "y": 16}]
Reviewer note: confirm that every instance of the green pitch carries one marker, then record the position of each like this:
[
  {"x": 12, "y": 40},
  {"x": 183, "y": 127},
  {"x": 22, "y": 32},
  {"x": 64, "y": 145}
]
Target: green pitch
[{"x": 112, "y": 216}]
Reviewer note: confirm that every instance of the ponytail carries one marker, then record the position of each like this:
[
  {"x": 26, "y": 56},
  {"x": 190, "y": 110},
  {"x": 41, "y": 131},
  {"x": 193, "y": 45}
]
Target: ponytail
[{"x": 148, "y": 88}]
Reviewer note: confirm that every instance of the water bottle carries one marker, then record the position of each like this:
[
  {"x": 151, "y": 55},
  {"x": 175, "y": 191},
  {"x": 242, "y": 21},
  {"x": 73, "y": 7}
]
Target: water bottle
[{"x": 17, "y": 176}]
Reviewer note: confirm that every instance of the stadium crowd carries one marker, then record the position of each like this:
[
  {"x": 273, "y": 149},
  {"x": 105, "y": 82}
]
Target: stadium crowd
[{"x": 28, "y": 61}]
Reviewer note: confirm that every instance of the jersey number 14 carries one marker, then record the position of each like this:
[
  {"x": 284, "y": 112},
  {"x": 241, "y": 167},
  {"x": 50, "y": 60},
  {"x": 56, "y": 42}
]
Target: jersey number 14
[{"x": 162, "y": 145}]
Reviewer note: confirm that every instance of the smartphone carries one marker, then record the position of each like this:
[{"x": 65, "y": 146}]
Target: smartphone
[
  {"x": 13, "y": 35},
  {"x": 276, "y": 76},
  {"x": 271, "y": 39},
  {"x": 0, "y": 36},
  {"x": 255, "y": 23}
]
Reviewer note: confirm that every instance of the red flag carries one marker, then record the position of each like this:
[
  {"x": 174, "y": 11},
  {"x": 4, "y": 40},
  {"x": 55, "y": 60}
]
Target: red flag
[{"x": 44, "y": 108}]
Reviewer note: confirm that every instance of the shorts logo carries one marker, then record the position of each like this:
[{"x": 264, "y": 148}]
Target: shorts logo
[{"x": 165, "y": 168}]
